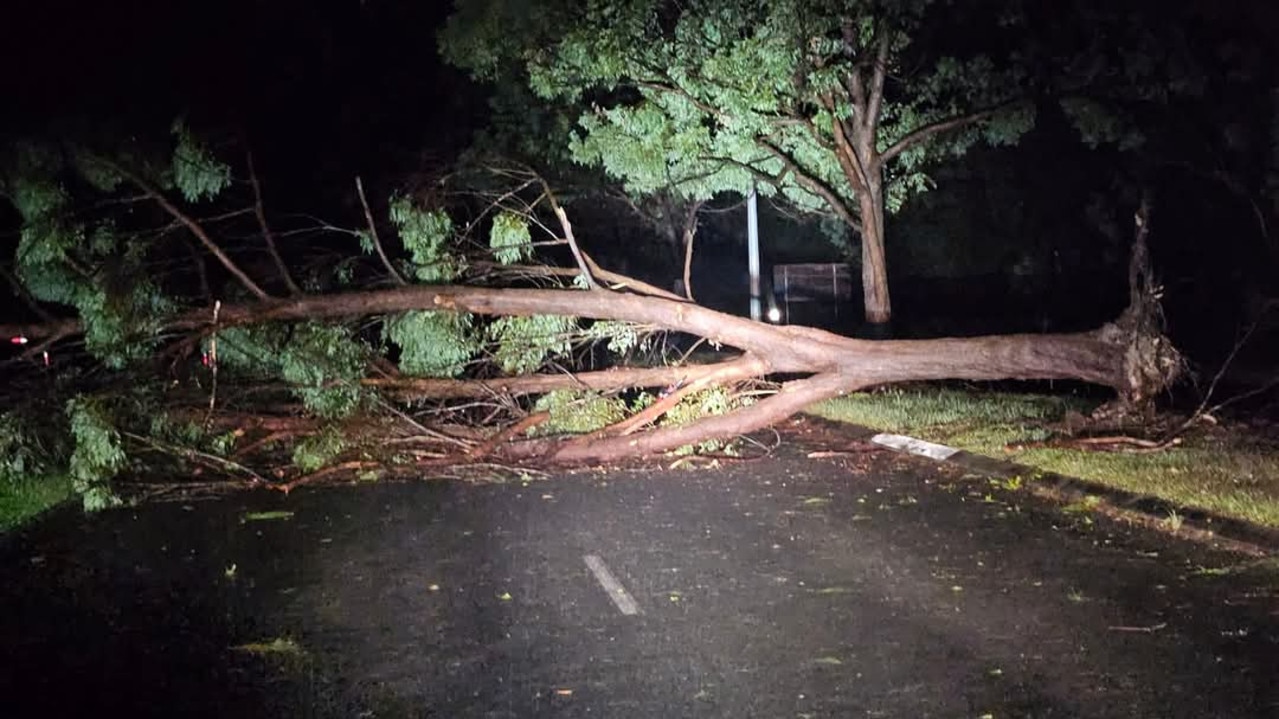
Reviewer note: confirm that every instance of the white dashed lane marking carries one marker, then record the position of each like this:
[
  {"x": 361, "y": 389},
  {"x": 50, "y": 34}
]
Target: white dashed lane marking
[{"x": 622, "y": 599}]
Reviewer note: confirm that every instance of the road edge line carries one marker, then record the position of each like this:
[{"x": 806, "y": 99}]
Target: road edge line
[{"x": 1066, "y": 489}]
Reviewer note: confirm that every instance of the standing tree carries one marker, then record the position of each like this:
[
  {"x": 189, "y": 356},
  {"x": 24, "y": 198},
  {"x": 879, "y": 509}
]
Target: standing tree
[{"x": 833, "y": 105}]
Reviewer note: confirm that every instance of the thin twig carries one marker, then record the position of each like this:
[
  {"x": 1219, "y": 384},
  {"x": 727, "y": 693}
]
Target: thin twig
[
  {"x": 1203, "y": 408},
  {"x": 377, "y": 243},
  {"x": 267, "y": 235},
  {"x": 195, "y": 228},
  {"x": 690, "y": 231},
  {"x": 615, "y": 279},
  {"x": 195, "y": 455},
  {"x": 213, "y": 362},
  {"x": 426, "y": 431},
  {"x": 230, "y": 214},
  {"x": 572, "y": 244},
  {"x": 258, "y": 444},
  {"x": 568, "y": 235}
]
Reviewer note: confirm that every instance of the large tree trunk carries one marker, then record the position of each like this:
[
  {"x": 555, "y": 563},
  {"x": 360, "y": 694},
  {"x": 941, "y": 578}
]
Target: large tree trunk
[
  {"x": 878, "y": 305},
  {"x": 1119, "y": 355},
  {"x": 862, "y": 166}
]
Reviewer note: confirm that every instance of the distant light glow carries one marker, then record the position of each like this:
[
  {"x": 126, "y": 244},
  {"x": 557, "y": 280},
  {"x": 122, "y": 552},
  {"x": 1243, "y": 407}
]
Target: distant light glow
[
  {"x": 18, "y": 340},
  {"x": 774, "y": 315}
]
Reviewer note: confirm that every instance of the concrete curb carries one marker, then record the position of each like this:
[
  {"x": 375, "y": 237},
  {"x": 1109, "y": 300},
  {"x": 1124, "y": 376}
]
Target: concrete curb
[{"x": 1074, "y": 489}]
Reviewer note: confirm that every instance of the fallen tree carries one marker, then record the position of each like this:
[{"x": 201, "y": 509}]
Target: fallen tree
[
  {"x": 457, "y": 330},
  {"x": 1115, "y": 355},
  {"x": 1123, "y": 355}
]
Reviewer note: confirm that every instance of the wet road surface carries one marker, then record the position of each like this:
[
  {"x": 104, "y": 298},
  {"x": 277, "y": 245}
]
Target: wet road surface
[{"x": 868, "y": 585}]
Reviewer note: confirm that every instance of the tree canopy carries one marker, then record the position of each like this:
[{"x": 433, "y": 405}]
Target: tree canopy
[{"x": 834, "y": 106}]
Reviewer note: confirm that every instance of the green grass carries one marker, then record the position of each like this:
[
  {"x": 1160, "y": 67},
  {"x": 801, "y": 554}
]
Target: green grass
[
  {"x": 905, "y": 411},
  {"x": 24, "y": 500},
  {"x": 1227, "y": 472}
]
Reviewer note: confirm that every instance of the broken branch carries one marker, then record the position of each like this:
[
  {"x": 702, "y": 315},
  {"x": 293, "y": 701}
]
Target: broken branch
[{"x": 377, "y": 243}]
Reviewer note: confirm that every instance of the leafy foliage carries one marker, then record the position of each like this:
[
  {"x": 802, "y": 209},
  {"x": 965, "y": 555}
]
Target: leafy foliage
[
  {"x": 322, "y": 363},
  {"x": 714, "y": 95},
  {"x": 432, "y": 344},
  {"x": 577, "y": 412},
  {"x": 704, "y": 403},
  {"x": 186, "y": 434},
  {"x": 510, "y": 239},
  {"x": 1100, "y": 124},
  {"x": 621, "y": 337},
  {"x": 525, "y": 343},
  {"x": 426, "y": 235},
  {"x": 831, "y": 106},
  {"x": 29, "y": 449},
  {"x": 313, "y": 452},
  {"x": 98, "y": 455},
  {"x": 196, "y": 172},
  {"x": 93, "y": 267}
]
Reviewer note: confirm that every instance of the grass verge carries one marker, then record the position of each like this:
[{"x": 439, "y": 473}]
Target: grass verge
[
  {"x": 24, "y": 500},
  {"x": 1222, "y": 470}
]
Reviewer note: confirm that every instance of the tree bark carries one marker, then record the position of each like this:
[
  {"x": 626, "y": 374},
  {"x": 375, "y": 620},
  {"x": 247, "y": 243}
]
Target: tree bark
[
  {"x": 610, "y": 380},
  {"x": 1117, "y": 355},
  {"x": 1097, "y": 356},
  {"x": 878, "y": 305}
]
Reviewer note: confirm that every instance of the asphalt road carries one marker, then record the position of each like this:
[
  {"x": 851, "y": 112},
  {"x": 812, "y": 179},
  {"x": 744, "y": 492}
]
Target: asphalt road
[{"x": 867, "y": 585}]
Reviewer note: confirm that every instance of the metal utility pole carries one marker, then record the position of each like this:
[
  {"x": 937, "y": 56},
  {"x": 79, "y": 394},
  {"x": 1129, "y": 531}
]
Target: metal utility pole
[{"x": 752, "y": 251}]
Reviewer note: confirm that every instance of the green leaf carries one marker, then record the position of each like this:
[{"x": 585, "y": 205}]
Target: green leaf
[
  {"x": 98, "y": 455},
  {"x": 576, "y": 412},
  {"x": 196, "y": 172},
  {"x": 323, "y": 363},
  {"x": 525, "y": 343},
  {"x": 314, "y": 452},
  {"x": 509, "y": 239},
  {"x": 426, "y": 235},
  {"x": 432, "y": 344}
]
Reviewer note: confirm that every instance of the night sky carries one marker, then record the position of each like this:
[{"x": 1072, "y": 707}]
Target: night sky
[{"x": 321, "y": 89}]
